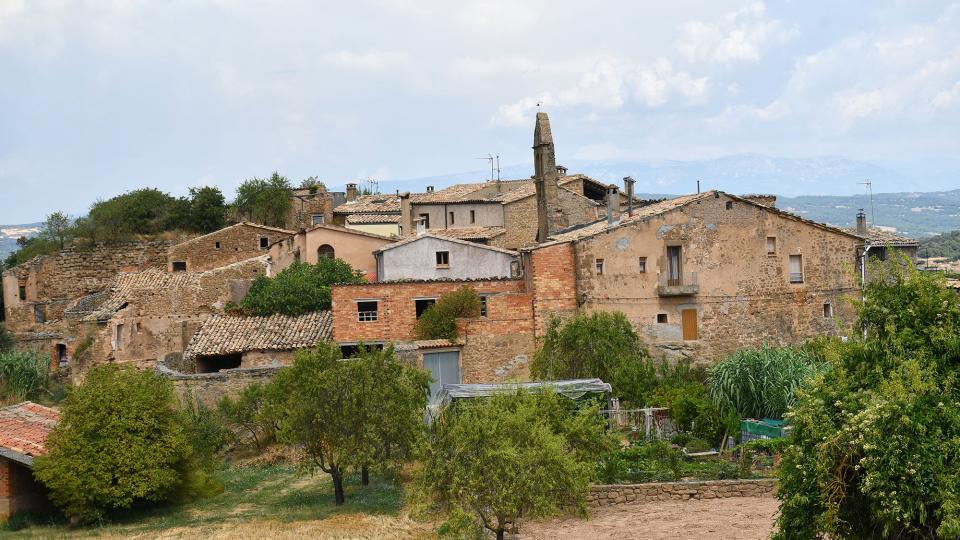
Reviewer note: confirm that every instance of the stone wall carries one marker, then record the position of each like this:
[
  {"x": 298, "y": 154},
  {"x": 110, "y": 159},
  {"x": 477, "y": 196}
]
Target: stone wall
[
  {"x": 208, "y": 388},
  {"x": 520, "y": 218},
  {"x": 618, "y": 494},
  {"x": 304, "y": 205},
  {"x": 226, "y": 246}
]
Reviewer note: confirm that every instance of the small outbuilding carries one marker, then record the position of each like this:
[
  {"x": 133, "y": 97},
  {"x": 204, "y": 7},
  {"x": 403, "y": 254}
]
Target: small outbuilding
[
  {"x": 23, "y": 435},
  {"x": 229, "y": 342}
]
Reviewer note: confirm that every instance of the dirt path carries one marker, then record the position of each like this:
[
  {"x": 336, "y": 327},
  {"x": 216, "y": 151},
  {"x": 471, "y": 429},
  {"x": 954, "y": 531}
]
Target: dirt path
[{"x": 742, "y": 518}]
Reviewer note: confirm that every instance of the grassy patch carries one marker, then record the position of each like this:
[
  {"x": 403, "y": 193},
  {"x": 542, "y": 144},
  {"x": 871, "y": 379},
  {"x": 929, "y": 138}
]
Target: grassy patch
[{"x": 279, "y": 493}]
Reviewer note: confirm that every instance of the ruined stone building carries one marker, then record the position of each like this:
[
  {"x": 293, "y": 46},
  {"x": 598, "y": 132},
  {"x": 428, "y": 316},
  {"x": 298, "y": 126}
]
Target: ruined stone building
[
  {"x": 226, "y": 246},
  {"x": 312, "y": 206},
  {"x": 356, "y": 247}
]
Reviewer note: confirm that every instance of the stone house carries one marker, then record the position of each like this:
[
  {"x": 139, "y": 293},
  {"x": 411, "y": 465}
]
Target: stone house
[
  {"x": 229, "y": 342},
  {"x": 882, "y": 243},
  {"x": 38, "y": 290},
  {"x": 231, "y": 244},
  {"x": 496, "y": 346},
  {"x": 309, "y": 207},
  {"x": 148, "y": 317},
  {"x": 428, "y": 257},
  {"x": 23, "y": 435},
  {"x": 356, "y": 247},
  {"x": 702, "y": 275}
]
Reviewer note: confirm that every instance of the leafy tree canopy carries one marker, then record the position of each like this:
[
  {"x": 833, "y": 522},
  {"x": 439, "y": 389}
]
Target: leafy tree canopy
[
  {"x": 120, "y": 441},
  {"x": 875, "y": 439},
  {"x": 439, "y": 321},
  {"x": 299, "y": 288},
  {"x": 57, "y": 229},
  {"x": 942, "y": 245},
  {"x": 265, "y": 201},
  {"x": 208, "y": 210}
]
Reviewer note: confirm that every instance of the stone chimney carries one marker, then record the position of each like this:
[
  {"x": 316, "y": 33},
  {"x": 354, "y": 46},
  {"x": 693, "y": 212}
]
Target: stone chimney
[
  {"x": 429, "y": 189},
  {"x": 613, "y": 204},
  {"x": 561, "y": 171},
  {"x": 861, "y": 223},
  {"x": 550, "y": 218},
  {"x": 351, "y": 192},
  {"x": 628, "y": 191},
  {"x": 406, "y": 215}
]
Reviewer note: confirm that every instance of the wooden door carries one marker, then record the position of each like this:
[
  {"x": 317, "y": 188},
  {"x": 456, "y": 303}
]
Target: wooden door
[{"x": 689, "y": 319}]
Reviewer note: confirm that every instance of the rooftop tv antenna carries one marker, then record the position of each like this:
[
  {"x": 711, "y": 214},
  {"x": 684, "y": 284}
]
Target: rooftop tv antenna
[
  {"x": 372, "y": 186},
  {"x": 869, "y": 184},
  {"x": 494, "y": 165}
]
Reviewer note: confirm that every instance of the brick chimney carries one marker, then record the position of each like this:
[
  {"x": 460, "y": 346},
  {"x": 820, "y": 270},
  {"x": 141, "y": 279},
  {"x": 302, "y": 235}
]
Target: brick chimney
[
  {"x": 406, "y": 215},
  {"x": 861, "y": 223},
  {"x": 351, "y": 192},
  {"x": 613, "y": 204},
  {"x": 550, "y": 218}
]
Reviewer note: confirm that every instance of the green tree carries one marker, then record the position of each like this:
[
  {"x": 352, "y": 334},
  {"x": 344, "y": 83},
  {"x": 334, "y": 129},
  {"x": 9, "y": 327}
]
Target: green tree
[
  {"x": 120, "y": 441},
  {"x": 265, "y": 201},
  {"x": 439, "y": 321},
  {"x": 56, "y": 229},
  {"x": 141, "y": 211},
  {"x": 299, "y": 288},
  {"x": 600, "y": 344},
  {"x": 345, "y": 414},
  {"x": 875, "y": 444},
  {"x": 208, "y": 210},
  {"x": 250, "y": 413},
  {"x": 28, "y": 248},
  {"x": 497, "y": 460}
]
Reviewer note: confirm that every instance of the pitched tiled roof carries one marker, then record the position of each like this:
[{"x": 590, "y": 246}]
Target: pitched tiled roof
[
  {"x": 370, "y": 204},
  {"x": 880, "y": 237},
  {"x": 224, "y": 334},
  {"x": 24, "y": 429},
  {"x": 365, "y": 219},
  {"x": 436, "y": 343},
  {"x": 235, "y": 226},
  {"x": 470, "y": 233}
]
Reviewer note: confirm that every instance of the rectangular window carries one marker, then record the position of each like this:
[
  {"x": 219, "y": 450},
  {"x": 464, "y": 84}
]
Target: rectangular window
[
  {"x": 643, "y": 265},
  {"x": 828, "y": 310},
  {"x": 674, "y": 262},
  {"x": 483, "y": 305},
  {"x": 423, "y": 304},
  {"x": 661, "y": 318},
  {"x": 599, "y": 267},
  {"x": 216, "y": 245},
  {"x": 367, "y": 311},
  {"x": 451, "y": 218},
  {"x": 316, "y": 219},
  {"x": 473, "y": 216},
  {"x": 38, "y": 315},
  {"x": 729, "y": 205},
  {"x": 796, "y": 269},
  {"x": 22, "y": 292},
  {"x": 118, "y": 338},
  {"x": 425, "y": 218},
  {"x": 179, "y": 266},
  {"x": 443, "y": 259},
  {"x": 264, "y": 242},
  {"x": 771, "y": 245}
]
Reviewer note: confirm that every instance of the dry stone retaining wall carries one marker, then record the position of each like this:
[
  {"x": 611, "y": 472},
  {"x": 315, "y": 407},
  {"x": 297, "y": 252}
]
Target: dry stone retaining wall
[{"x": 616, "y": 494}]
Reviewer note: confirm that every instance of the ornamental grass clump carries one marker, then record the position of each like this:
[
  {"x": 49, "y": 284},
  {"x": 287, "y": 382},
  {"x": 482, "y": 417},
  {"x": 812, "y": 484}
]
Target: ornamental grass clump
[{"x": 23, "y": 375}]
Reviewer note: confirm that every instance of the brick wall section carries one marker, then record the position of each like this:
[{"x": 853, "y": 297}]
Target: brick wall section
[
  {"x": 72, "y": 273},
  {"x": 613, "y": 495},
  {"x": 18, "y": 489},
  {"x": 237, "y": 243},
  {"x": 550, "y": 278}
]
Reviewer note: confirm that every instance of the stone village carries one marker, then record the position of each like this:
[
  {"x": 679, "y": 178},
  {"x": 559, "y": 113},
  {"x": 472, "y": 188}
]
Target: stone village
[{"x": 697, "y": 276}]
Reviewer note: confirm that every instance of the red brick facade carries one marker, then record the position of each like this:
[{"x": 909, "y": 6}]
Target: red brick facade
[
  {"x": 551, "y": 277},
  {"x": 18, "y": 489}
]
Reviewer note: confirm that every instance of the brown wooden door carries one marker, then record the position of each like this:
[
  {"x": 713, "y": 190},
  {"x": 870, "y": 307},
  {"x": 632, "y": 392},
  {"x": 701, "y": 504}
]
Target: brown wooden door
[{"x": 689, "y": 319}]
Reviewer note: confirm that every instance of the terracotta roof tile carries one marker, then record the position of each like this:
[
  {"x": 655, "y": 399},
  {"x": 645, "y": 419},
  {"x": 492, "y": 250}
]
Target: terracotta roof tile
[
  {"x": 224, "y": 334},
  {"x": 361, "y": 219},
  {"x": 24, "y": 429},
  {"x": 882, "y": 237},
  {"x": 470, "y": 233}
]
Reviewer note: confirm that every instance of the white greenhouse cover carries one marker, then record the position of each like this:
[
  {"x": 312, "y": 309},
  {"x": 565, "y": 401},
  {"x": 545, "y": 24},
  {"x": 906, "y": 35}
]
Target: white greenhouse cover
[{"x": 573, "y": 389}]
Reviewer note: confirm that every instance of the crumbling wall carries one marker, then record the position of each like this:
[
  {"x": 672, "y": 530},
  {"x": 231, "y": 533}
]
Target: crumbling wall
[
  {"x": 208, "y": 388},
  {"x": 226, "y": 246},
  {"x": 619, "y": 494}
]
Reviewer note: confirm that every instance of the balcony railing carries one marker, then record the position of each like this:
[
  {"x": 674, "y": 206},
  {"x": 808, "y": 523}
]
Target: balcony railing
[{"x": 678, "y": 284}]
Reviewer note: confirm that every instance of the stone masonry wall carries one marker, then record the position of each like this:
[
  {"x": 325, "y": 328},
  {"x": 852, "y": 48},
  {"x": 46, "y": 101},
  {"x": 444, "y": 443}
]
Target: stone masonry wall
[
  {"x": 237, "y": 243},
  {"x": 520, "y": 218},
  {"x": 209, "y": 388},
  {"x": 612, "y": 495}
]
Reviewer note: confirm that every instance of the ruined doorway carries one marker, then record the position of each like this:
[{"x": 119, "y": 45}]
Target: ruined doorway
[
  {"x": 674, "y": 256},
  {"x": 62, "y": 355},
  {"x": 688, "y": 319},
  {"x": 213, "y": 364}
]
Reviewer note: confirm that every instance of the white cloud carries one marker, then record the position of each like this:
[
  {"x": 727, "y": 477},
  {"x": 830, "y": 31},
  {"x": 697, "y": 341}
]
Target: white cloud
[
  {"x": 739, "y": 36},
  {"x": 610, "y": 84},
  {"x": 947, "y": 98},
  {"x": 369, "y": 60}
]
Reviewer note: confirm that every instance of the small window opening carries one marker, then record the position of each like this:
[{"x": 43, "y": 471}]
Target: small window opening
[
  {"x": 729, "y": 205},
  {"x": 473, "y": 216},
  {"x": 367, "y": 311},
  {"x": 515, "y": 269},
  {"x": 599, "y": 267},
  {"x": 179, "y": 266},
  {"x": 327, "y": 251},
  {"x": 661, "y": 318},
  {"x": 22, "y": 292},
  {"x": 796, "y": 269},
  {"x": 316, "y": 219},
  {"x": 118, "y": 337},
  {"x": 451, "y": 218},
  {"x": 62, "y": 358},
  {"x": 423, "y": 304},
  {"x": 828, "y": 310},
  {"x": 264, "y": 242},
  {"x": 425, "y": 218},
  {"x": 443, "y": 259},
  {"x": 643, "y": 265},
  {"x": 771, "y": 245},
  {"x": 483, "y": 305},
  {"x": 38, "y": 315},
  {"x": 216, "y": 245}
]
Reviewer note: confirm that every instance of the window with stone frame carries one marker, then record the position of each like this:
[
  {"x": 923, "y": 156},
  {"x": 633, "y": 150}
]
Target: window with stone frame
[
  {"x": 796, "y": 268},
  {"x": 264, "y": 242},
  {"x": 316, "y": 219},
  {"x": 771, "y": 245},
  {"x": 599, "y": 267},
  {"x": 827, "y": 310}
]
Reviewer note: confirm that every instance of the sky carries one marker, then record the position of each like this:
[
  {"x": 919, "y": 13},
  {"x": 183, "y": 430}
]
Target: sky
[{"x": 100, "y": 97}]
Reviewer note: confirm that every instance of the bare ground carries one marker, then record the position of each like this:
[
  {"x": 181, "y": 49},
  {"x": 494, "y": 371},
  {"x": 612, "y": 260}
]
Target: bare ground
[{"x": 742, "y": 518}]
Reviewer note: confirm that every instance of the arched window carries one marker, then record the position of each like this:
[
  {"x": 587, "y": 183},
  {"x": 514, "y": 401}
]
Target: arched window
[{"x": 325, "y": 250}]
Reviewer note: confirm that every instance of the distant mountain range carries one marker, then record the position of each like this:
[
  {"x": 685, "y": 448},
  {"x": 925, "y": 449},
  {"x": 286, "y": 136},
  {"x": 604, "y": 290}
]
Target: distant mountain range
[{"x": 10, "y": 233}]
